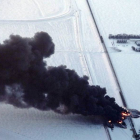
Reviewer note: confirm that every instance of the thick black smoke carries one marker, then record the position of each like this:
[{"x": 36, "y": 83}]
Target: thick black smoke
[{"x": 25, "y": 81}]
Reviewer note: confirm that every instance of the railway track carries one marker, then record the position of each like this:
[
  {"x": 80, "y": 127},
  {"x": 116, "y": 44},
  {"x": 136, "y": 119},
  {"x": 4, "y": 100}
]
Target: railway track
[{"x": 114, "y": 73}]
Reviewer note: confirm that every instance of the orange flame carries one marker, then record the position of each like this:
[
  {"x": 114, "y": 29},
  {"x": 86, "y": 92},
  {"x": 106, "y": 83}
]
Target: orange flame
[
  {"x": 123, "y": 118},
  {"x": 109, "y": 121},
  {"x": 120, "y": 122},
  {"x": 125, "y": 114}
]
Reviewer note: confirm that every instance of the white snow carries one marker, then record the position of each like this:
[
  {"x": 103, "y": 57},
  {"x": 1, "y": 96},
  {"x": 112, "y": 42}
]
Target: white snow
[
  {"x": 37, "y": 125},
  {"x": 117, "y": 17},
  {"x": 78, "y": 46},
  {"x": 32, "y": 9}
]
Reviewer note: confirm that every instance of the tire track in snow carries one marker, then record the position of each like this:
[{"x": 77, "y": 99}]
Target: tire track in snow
[
  {"x": 52, "y": 18},
  {"x": 68, "y": 12},
  {"x": 41, "y": 12}
]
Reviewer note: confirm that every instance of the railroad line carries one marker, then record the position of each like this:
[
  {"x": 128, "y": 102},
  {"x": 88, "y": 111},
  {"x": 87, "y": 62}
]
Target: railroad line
[{"x": 114, "y": 73}]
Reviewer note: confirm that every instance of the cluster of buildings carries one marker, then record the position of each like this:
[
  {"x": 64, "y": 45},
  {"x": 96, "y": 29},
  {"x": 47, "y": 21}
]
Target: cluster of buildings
[{"x": 125, "y": 38}]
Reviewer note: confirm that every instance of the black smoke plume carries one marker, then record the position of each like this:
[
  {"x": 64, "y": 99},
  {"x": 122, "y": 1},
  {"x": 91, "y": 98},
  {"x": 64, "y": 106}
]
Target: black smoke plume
[{"x": 26, "y": 81}]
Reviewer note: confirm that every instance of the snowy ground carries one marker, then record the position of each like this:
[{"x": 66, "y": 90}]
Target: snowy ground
[
  {"x": 78, "y": 46},
  {"x": 118, "y": 17}
]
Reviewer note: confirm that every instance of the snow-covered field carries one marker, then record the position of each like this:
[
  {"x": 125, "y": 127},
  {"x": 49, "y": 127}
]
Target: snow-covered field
[
  {"x": 118, "y": 17},
  {"x": 78, "y": 46},
  {"x": 33, "y": 9}
]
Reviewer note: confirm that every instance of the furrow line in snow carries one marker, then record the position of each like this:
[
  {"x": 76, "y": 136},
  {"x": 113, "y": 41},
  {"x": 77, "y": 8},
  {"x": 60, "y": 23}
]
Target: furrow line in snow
[
  {"x": 52, "y": 18},
  {"x": 36, "y": 3},
  {"x": 78, "y": 38}
]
